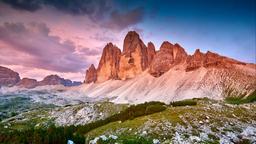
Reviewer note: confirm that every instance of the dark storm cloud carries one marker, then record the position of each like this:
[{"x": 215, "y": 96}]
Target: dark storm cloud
[
  {"x": 29, "y": 5},
  {"x": 78, "y": 7},
  {"x": 104, "y": 12},
  {"x": 119, "y": 20},
  {"x": 41, "y": 49}
]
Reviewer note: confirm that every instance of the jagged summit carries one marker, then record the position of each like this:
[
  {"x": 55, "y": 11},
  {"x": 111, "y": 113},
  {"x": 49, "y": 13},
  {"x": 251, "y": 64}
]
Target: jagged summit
[
  {"x": 136, "y": 57},
  {"x": 130, "y": 42},
  {"x": 151, "y": 52},
  {"x": 167, "y": 74},
  {"x": 91, "y": 74},
  {"x": 109, "y": 63}
]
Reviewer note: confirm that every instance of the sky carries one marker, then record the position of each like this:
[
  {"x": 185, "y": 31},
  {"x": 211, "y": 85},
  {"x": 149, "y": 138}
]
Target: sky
[{"x": 64, "y": 37}]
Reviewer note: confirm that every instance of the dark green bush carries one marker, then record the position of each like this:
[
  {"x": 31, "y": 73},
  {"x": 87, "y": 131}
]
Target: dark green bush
[
  {"x": 154, "y": 108},
  {"x": 188, "y": 102}
]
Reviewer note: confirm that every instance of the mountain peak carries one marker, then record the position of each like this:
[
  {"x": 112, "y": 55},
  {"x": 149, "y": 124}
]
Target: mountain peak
[
  {"x": 131, "y": 40},
  {"x": 91, "y": 74},
  {"x": 137, "y": 57},
  {"x": 109, "y": 63},
  {"x": 168, "y": 56},
  {"x": 134, "y": 59},
  {"x": 27, "y": 83},
  {"x": 166, "y": 45},
  {"x": 8, "y": 77},
  {"x": 151, "y": 52}
]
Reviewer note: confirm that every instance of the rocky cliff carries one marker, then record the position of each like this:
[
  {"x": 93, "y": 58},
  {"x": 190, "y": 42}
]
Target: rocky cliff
[
  {"x": 134, "y": 59},
  {"x": 210, "y": 59},
  {"x": 91, "y": 74},
  {"x": 169, "y": 73},
  {"x": 8, "y": 77},
  {"x": 168, "y": 56},
  {"x": 151, "y": 52},
  {"x": 109, "y": 63}
]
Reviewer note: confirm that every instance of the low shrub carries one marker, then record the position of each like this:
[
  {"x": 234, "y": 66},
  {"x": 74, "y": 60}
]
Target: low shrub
[{"x": 188, "y": 102}]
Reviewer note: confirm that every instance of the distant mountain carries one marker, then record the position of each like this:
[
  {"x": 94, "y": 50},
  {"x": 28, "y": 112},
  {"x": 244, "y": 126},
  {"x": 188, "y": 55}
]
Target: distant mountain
[
  {"x": 56, "y": 80},
  {"x": 10, "y": 78},
  {"x": 27, "y": 83},
  {"x": 140, "y": 73}
]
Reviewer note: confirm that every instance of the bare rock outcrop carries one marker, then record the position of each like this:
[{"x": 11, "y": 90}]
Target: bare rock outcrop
[
  {"x": 8, "y": 77},
  {"x": 151, "y": 52},
  {"x": 134, "y": 59},
  {"x": 91, "y": 74},
  {"x": 209, "y": 59},
  {"x": 168, "y": 56},
  {"x": 109, "y": 63}
]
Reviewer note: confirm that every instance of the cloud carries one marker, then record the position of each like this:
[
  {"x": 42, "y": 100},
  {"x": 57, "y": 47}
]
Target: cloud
[
  {"x": 105, "y": 13},
  {"x": 32, "y": 46},
  {"x": 30, "y": 5},
  {"x": 120, "y": 20},
  {"x": 76, "y": 7},
  {"x": 104, "y": 36},
  {"x": 39, "y": 74},
  {"x": 88, "y": 51}
]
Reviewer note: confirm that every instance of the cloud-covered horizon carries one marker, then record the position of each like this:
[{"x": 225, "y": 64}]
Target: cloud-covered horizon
[
  {"x": 40, "y": 37},
  {"x": 64, "y": 37},
  {"x": 39, "y": 49}
]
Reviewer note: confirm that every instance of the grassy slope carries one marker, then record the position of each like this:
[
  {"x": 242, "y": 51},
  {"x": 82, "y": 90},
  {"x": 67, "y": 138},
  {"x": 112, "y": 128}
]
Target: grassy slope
[{"x": 219, "y": 118}]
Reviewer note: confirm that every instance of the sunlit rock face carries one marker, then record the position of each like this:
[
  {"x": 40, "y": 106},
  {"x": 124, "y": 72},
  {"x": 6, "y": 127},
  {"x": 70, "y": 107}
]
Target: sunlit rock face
[
  {"x": 109, "y": 63},
  {"x": 168, "y": 56},
  {"x": 134, "y": 59},
  {"x": 209, "y": 59},
  {"x": 8, "y": 77},
  {"x": 151, "y": 52},
  {"x": 27, "y": 83},
  {"x": 91, "y": 74}
]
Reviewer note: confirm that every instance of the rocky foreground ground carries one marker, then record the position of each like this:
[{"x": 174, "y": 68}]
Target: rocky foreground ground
[{"x": 207, "y": 122}]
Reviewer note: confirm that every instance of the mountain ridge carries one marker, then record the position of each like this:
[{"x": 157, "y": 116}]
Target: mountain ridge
[
  {"x": 136, "y": 57},
  {"x": 11, "y": 78},
  {"x": 171, "y": 74}
]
